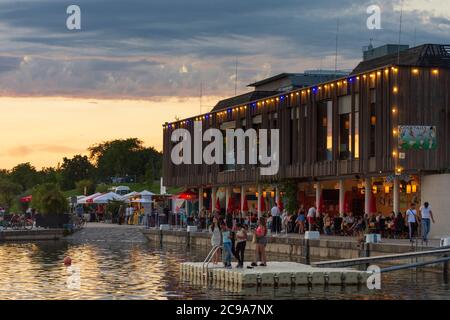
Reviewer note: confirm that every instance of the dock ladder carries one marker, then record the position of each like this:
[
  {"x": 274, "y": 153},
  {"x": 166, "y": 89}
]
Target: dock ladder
[{"x": 208, "y": 259}]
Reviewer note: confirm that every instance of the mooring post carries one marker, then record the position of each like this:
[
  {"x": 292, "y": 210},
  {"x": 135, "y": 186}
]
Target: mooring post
[
  {"x": 445, "y": 270},
  {"x": 188, "y": 240},
  {"x": 367, "y": 253},
  {"x": 161, "y": 238},
  {"x": 307, "y": 252}
]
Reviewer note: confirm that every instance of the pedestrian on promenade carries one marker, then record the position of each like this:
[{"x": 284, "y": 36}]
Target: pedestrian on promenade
[
  {"x": 426, "y": 215},
  {"x": 216, "y": 238},
  {"x": 260, "y": 242},
  {"x": 311, "y": 217},
  {"x": 412, "y": 220},
  {"x": 241, "y": 242},
  {"x": 276, "y": 219},
  {"x": 226, "y": 240}
]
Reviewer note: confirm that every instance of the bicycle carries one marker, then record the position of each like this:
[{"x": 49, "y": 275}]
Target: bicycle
[{"x": 18, "y": 222}]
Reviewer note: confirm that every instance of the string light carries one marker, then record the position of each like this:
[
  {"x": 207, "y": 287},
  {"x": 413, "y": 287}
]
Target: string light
[
  {"x": 435, "y": 71},
  {"x": 415, "y": 71},
  {"x": 395, "y": 90}
]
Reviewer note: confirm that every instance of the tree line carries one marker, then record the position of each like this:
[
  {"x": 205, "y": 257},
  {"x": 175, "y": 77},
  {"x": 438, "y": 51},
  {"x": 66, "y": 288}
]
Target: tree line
[{"x": 106, "y": 160}]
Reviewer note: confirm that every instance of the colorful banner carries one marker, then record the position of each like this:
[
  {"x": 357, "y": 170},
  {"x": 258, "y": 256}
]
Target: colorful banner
[{"x": 417, "y": 137}]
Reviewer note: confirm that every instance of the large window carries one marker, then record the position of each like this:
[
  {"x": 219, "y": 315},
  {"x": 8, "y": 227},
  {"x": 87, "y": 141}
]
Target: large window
[
  {"x": 356, "y": 129},
  {"x": 325, "y": 130},
  {"x": 373, "y": 122},
  {"x": 345, "y": 137}
]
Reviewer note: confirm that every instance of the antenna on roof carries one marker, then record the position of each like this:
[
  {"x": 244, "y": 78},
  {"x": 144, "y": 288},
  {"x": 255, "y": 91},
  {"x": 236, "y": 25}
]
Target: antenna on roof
[
  {"x": 336, "y": 53},
  {"x": 415, "y": 36},
  {"x": 236, "y": 77},
  {"x": 201, "y": 96},
  {"x": 400, "y": 32}
]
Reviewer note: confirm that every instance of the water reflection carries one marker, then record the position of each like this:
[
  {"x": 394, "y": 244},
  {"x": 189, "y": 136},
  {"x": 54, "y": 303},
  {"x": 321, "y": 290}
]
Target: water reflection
[{"x": 126, "y": 270}]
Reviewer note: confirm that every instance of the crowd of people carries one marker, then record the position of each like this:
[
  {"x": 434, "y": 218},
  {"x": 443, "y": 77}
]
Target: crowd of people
[{"x": 401, "y": 225}]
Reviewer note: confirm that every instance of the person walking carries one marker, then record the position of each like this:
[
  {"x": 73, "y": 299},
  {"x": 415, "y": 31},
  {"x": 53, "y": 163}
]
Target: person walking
[
  {"x": 426, "y": 216},
  {"x": 412, "y": 220},
  {"x": 241, "y": 242}
]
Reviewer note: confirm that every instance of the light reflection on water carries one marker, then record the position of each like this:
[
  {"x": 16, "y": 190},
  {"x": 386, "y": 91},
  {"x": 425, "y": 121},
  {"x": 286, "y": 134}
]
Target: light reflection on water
[{"x": 124, "y": 270}]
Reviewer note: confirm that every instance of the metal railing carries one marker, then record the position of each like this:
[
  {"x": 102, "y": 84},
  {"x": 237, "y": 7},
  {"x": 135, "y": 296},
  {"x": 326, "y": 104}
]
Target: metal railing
[{"x": 208, "y": 259}]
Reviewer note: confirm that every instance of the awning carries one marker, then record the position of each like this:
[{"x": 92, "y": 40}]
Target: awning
[
  {"x": 107, "y": 197},
  {"x": 26, "y": 199}
]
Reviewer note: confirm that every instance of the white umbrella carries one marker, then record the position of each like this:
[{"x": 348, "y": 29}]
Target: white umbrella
[
  {"x": 89, "y": 199},
  {"x": 146, "y": 193},
  {"x": 130, "y": 195},
  {"x": 107, "y": 197},
  {"x": 141, "y": 201}
]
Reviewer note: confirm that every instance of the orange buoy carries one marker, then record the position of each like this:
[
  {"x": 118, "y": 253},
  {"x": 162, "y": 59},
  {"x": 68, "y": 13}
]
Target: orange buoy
[{"x": 67, "y": 261}]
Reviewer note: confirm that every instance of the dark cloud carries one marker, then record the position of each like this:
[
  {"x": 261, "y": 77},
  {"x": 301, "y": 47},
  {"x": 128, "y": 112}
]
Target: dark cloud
[{"x": 138, "y": 48}]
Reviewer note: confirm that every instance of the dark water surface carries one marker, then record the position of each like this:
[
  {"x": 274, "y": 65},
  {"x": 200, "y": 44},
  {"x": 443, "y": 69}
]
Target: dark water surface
[{"x": 140, "y": 270}]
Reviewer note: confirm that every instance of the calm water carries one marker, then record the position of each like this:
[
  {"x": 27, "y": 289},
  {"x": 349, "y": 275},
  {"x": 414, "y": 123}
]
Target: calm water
[{"x": 124, "y": 270}]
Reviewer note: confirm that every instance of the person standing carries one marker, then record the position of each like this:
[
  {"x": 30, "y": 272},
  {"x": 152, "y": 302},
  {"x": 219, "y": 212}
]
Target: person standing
[
  {"x": 276, "y": 219},
  {"x": 311, "y": 217},
  {"x": 241, "y": 242},
  {"x": 216, "y": 238},
  {"x": 426, "y": 215},
  {"x": 261, "y": 242},
  {"x": 412, "y": 220},
  {"x": 227, "y": 251}
]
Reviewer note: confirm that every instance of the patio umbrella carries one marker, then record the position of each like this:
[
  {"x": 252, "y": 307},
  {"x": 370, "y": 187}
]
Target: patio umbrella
[
  {"x": 218, "y": 204},
  {"x": 188, "y": 195},
  {"x": 26, "y": 199},
  {"x": 245, "y": 205},
  {"x": 321, "y": 207},
  {"x": 263, "y": 204},
  {"x": 230, "y": 205},
  {"x": 280, "y": 203},
  {"x": 346, "y": 202},
  {"x": 372, "y": 204}
]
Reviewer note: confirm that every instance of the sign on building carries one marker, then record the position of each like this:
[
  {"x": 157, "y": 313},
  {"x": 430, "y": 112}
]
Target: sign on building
[{"x": 417, "y": 137}]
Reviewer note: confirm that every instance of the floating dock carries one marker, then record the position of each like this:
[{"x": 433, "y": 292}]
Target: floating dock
[{"x": 275, "y": 274}]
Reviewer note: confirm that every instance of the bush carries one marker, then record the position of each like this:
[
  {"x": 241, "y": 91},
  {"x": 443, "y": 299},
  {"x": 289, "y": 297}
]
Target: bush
[
  {"x": 102, "y": 188},
  {"x": 48, "y": 199}
]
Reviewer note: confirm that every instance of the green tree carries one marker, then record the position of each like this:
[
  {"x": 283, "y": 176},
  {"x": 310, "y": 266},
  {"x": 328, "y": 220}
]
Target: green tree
[
  {"x": 125, "y": 157},
  {"x": 75, "y": 169},
  {"x": 290, "y": 188},
  {"x": 53, "y": 202},
  {"x": 8, "y": 192},
  {"x": 85, "y": 187},
  {"x": 39, "y": 192},
  {"x": 25, "y": 175}
]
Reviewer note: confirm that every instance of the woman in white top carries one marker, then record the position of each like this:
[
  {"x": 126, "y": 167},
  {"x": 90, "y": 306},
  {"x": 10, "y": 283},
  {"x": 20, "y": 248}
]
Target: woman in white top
[
  {"x": 216, "y": 238},
  {"x": 412, "y": 220},
  {"x": 426, "y": 215}
]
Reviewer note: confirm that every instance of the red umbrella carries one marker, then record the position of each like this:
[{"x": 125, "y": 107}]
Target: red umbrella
[
  {"x": 188, "y": 195},
  {"x": 26, "y": 199},
  {"x": 230, "y": 205},
  {"x": 321, "y": 207},
  {"x": 263, "y": 204},
  {"x": 372, "y": 204},
  {"x": 280, "y": 203},
  {"x": 346, "y": 202},
  {"x": 218, "y": 204},
  {"x": 245, "y": 206}
]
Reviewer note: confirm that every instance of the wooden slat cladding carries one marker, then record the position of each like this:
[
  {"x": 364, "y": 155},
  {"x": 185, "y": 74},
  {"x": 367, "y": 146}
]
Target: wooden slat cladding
[{"x": 422, "y": 99}]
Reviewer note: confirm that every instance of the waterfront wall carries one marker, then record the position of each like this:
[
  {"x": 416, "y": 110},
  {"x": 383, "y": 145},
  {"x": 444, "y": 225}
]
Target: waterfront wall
[
  {"x": 319, "y": 249},
  {"x": 436, "y": 190},
  {"x": 31, "y": 235}
]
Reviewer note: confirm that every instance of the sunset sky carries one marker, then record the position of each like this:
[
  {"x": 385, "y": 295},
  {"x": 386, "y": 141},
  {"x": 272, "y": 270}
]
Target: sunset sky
[{"x": 139, "y": 63}]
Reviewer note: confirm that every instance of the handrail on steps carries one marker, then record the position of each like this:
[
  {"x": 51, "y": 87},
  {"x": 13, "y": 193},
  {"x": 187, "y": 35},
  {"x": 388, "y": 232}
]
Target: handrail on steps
[{"x": 208, "y": 259}]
